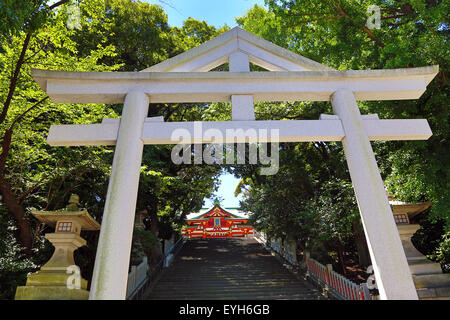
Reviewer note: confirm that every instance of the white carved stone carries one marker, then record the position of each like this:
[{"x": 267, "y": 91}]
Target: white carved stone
[
  {"x": 215, "y": 52},
  {"x": 239, "y": 62},
  {"x": 391, "y": 268},
  {"x": 109, "y": 280},
  {"x": 177, "y": 87},
  {"x": 242, "y": 108},
  {"x": 158, "y": 132}
]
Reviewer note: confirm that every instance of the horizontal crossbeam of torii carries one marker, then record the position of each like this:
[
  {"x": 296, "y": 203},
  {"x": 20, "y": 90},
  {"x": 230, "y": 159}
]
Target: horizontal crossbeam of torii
[
  {"x": 154, "y": 132},
  {"x": 291, "y": 77}
]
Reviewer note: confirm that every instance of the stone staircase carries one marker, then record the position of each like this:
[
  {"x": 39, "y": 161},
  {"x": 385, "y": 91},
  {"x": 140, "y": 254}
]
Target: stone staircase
[
  {"x": 238, "y": 268},
  {"x": 430, "y": 282}
]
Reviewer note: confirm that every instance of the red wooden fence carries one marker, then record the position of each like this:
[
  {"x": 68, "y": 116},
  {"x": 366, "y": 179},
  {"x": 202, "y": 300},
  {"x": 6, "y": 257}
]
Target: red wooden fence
[{"x": 341, "y": 287}]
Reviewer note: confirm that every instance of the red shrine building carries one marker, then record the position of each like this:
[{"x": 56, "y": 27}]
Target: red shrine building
[{"x": 217, "y": 223}]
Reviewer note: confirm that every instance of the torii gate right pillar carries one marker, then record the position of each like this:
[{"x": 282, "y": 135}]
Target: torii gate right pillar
[{"x": 389, "y": 262}]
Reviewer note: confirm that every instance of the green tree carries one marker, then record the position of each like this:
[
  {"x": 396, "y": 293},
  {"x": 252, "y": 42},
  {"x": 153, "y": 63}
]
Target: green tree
[
  {"x": 25, "y": 160},
  {"x": 32, "y": 174},
  {"x": 412, "y": 34},
  {"x": 36, "y": 176}
]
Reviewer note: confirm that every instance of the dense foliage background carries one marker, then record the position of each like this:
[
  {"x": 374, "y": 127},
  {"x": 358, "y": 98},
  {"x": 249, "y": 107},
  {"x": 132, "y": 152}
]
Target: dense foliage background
[
  {"x": 311, "y": 194},
  {"x": 117, "y": 35},
  {"x": 309, "y": 201}
]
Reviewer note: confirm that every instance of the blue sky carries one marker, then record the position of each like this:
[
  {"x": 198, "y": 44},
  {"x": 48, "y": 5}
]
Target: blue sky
[
  {"x": 214, "y": 12},
  {"x": 227, "y": 186}
]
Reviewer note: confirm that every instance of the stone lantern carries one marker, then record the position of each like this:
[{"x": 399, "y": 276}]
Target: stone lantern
[
  {"x": 427, "y": 275},
  {"x": 60, "y": 278}
]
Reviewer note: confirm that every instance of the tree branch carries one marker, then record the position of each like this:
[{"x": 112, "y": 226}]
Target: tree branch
[
  {"x": 20, "y": 61},
  {"x": 394, "y": 16},
  {"x": 15, "y": 77},
  {"x": 26, "y": 111},
  {"x": 364, "y": 28},
  {"x": 27, "y": 192},
  {"x": 57, "y": 4},
  {"x": 321, "y": 19},
  {"x": 6, "y": 144},
  {"x": 312, "y": 14}
]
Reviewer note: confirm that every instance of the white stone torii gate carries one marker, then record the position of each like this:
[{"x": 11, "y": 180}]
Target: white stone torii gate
[{"x": 184, "y": 78}]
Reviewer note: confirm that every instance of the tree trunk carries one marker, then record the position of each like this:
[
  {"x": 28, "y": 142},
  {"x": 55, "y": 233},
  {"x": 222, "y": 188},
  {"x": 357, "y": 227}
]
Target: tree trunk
[
  {"x": 340, "y": 249},
  {"x": 16, "y": 209},
  {"x": 361, "y": 246},
  {"x": 363, "y": 252},
  {"x": 300, "y": 245},
  {"x": 154, "y": 228}
]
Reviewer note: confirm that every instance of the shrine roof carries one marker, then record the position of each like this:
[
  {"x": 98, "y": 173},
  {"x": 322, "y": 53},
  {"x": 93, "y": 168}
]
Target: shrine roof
[{"x": 231, "y": 213}]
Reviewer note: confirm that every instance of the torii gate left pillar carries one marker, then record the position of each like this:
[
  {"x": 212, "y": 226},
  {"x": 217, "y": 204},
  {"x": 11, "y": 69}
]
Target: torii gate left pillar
[{"x": 113, "y": 257}]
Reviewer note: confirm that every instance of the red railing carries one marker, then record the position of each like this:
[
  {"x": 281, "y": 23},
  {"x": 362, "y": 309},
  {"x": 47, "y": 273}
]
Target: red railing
[{"x": 336, "y": 284}]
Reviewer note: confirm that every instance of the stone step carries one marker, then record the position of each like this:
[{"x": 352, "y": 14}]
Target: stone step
[
  {"x": 259, "y": 283},
  {"x": 224, "y": 290},
  {"x": 235, "y": 269},
  {"x": 256, "y": 288},
  {"x": 235, "y": 296},
  {"x": 432, "y": 280},
  {"x": 231, "y": 292},
  {"x": 178, "y": 278},
  {"x": 442, "y": 293},
  {"x": 424, "y": 266},
  {"x": 237, "y": 282}
]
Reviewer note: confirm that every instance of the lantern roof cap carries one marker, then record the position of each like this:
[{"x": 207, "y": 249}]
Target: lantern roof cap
[{"x": 86, "y": 221}]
